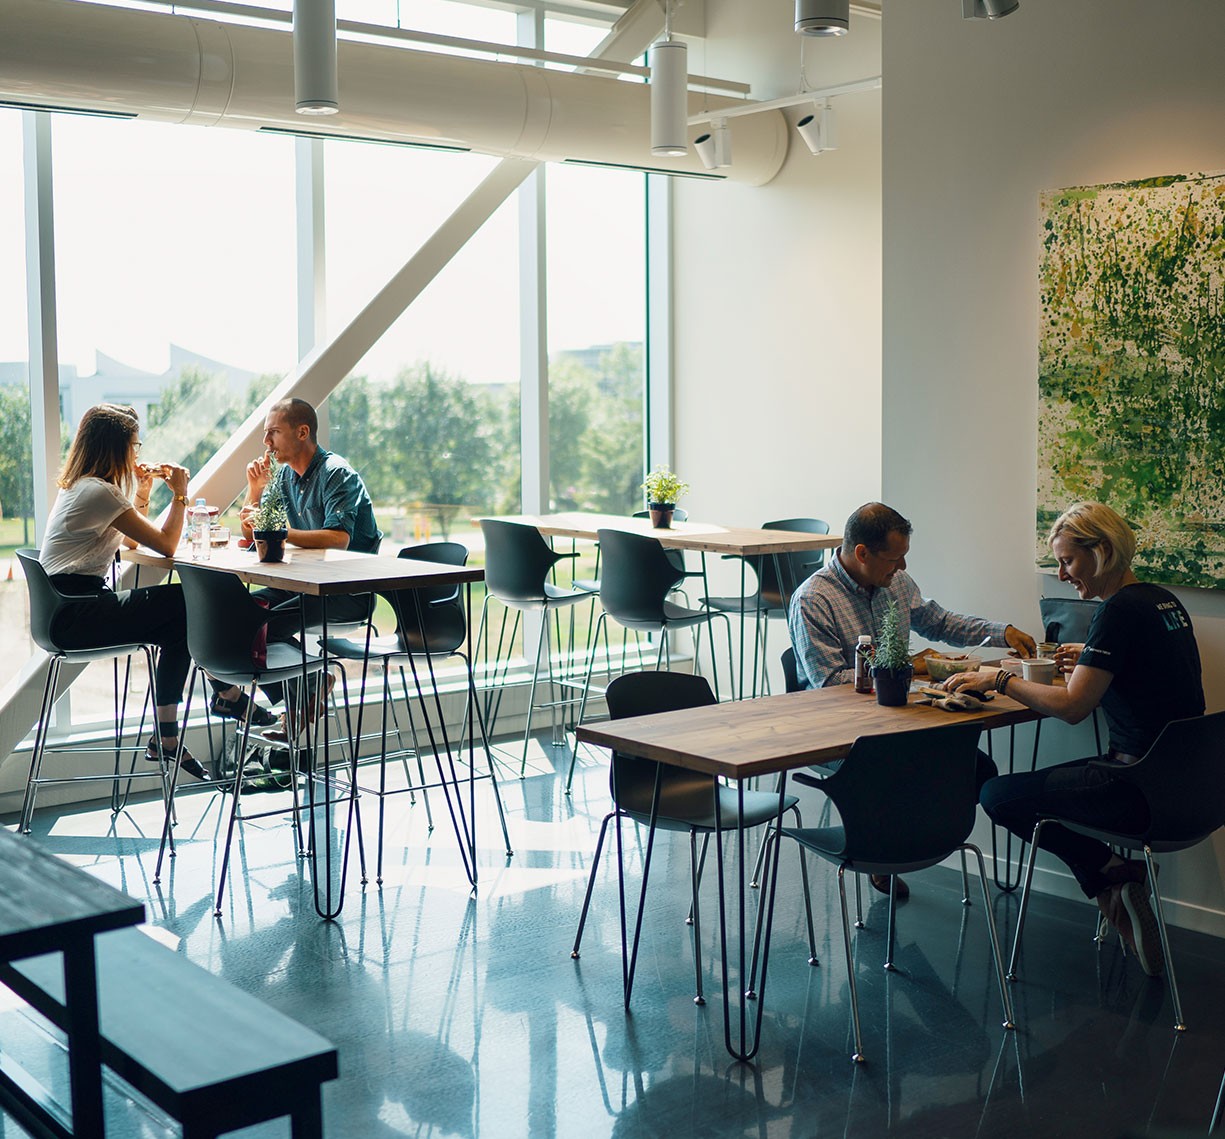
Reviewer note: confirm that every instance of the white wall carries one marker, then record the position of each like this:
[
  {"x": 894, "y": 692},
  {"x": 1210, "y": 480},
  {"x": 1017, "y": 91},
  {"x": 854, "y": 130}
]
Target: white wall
[
  {"x": 777, "y": 351},
  {"x": 978, "y": 119}
]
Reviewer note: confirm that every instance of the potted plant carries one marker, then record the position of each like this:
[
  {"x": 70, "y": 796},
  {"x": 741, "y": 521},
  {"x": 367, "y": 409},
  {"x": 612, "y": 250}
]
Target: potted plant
[
  {"x": 891, "y": 667},
  {"x": 270, "y": 525},
  {"x": 663, "y": 490}
]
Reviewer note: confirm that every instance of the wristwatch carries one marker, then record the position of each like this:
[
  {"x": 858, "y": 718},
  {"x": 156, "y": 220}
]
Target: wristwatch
[{"x": 181, "y": 498}]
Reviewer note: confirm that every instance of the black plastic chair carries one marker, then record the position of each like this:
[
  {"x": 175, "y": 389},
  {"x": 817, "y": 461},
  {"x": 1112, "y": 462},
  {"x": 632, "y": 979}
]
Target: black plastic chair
[
  {"x": 518, "y": 562},
  {"x": 777, "y": 578},
  {"x": 677, "y": 557},
  {"x": 791, "y": 672},
  {"x": 875, "y": 791},
  {"x": 634, "y": 586},
  {"x": 678, "y": 800},
  {"x": 47, "y": 603},
  {"x": 223, "y": 620},
  {"x": 1182, "y": 779},
  {"x": 431, "y": 624}
]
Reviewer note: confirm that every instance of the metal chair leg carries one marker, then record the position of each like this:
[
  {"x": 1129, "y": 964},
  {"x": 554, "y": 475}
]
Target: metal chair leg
[
  {"x": 595, "y": 865},
  {"x": 857, "y": 1055},
  {"x": 1005, "y": 996},
  {"x": 1179, "y": 1024},
  {"x": 1029, "y": 877},
  {"x": 695, "y": 879}
]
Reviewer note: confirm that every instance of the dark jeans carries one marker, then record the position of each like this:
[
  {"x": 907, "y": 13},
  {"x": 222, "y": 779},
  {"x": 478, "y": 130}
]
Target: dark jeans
[
  {"x": 285, "y": 618},
  {"x": 1076, "y": 792},
  {"x": 155, "y": 615}
]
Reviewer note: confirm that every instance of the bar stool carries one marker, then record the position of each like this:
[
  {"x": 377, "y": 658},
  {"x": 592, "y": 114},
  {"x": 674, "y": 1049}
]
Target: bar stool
[
  {"x": 518, "y": 562},
  {"x": 431, "y": 624},
  {"x": 46, "y": 604}
]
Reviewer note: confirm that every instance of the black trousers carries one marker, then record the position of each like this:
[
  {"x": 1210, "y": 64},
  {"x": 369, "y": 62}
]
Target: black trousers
[
  {"x": 1076, "y": 792},
  {"x": 155, "y": 615}
]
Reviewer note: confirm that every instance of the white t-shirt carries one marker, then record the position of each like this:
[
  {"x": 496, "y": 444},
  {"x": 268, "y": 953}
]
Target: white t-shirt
[{"x": 80, "y": 536}]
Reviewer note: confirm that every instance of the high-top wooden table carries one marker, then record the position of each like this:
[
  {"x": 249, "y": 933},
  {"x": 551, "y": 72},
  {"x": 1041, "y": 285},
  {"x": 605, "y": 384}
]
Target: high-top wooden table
[
  {"x": 703, "y": 537},
  {"x": 774, "y": 735},
  {"x": 49, "y": 906},
  {"x": 331, "y": 573}
]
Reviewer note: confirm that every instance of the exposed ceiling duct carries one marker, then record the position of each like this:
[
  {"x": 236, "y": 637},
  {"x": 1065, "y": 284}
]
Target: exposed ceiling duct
[{"x": 62, "y": 54}]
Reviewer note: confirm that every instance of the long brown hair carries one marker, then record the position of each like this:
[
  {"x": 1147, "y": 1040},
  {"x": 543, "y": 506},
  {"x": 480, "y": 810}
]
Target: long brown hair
[{"x": 102, "y": 447}]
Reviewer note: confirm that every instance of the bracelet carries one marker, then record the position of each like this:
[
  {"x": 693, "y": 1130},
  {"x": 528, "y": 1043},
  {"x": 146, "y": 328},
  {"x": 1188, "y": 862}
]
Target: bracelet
[
  {"x": 1001, "y": 680},
  {"x": 141, "y": 505},
  {"x": 181, "y": 498}
]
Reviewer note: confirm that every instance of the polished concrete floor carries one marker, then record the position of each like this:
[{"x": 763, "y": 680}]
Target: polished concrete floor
[{"x": 462, "y": 1013}]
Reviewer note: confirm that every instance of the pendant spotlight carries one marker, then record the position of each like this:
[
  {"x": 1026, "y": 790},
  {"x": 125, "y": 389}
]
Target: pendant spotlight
[
  {"x": 314, "y": 57},
  {"x": 822, "y": 17},
  {"x": 669, "y": 63},
  {"x": 988, "y": 9},
  {"x": 715, "y": 146},
  {"x": 818, "y": 129}
]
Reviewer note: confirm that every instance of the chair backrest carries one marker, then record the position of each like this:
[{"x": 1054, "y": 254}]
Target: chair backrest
[
  {"x": 791, "y": 672},
  {"x": 1183, "y": 778},
  {"x": 632, "y": 779},
  {"x": 1066, "y": 619},
  {"x": 434, "y": 618},
  {"x": 907, "y": 798},
  {"x": 796, "y": 567},
  {"x": 222, "y": 620},
  {"x": 45, "y": 600},
  {"x": 636, "y": 576},
  {"x": 517, "y": 560}
]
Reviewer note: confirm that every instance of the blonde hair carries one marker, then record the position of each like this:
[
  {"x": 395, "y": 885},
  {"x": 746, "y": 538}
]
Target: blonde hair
[
  {"x": 102, "y": 446},
  {"x": 1094, "y": 526}
]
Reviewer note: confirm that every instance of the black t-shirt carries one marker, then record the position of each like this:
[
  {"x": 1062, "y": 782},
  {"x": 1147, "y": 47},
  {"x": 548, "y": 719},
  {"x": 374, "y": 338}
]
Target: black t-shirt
[{"x": 1143, "y": 635}]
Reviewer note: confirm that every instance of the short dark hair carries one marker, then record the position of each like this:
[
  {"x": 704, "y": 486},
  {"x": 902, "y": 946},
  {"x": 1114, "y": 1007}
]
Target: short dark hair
[
  {"x": 297, "y": 412},
  {"x": 871, "y": 526}
]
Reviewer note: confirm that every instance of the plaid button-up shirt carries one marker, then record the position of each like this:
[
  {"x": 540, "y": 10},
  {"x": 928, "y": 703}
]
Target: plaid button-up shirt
[{"x": 830, "y": 611}]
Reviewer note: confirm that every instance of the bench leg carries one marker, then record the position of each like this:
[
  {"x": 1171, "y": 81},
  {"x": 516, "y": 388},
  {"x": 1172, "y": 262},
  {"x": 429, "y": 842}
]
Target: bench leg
[{"x": 306, "y": 1120}]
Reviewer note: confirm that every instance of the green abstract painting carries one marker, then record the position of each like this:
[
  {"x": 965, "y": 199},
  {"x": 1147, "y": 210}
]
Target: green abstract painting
[{"x": 1131, "y": 367}]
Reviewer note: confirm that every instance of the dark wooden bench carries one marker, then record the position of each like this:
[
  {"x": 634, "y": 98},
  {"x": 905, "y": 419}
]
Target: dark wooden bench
[{"x": 209, "y": 1055}]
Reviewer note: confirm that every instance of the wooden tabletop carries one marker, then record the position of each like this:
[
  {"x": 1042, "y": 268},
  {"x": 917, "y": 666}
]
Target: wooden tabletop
[
  {"x": 322, "y": 573},
  {"x": 776, "y": 733},
  {"x": 46, "y": 903},
  {"x": 706, "y": 536}
]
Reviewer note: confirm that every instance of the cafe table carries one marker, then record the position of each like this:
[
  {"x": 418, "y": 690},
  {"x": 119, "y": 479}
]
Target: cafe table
[
  {"x": 771, "y": 735},
  {"x": 331, "y": 573},
  {"x": 702, "y": 537}
]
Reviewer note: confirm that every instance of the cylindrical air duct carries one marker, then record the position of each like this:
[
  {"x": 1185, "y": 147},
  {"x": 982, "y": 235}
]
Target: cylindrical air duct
[
  {"x": 314, "y": 57},
  {"x": 669, "y": 62},
  {"x": 823, "y": 17}
]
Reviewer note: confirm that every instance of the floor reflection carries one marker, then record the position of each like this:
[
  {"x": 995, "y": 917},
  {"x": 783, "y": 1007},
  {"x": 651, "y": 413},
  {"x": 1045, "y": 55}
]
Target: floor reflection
[{"x": 461, "y": 1014}]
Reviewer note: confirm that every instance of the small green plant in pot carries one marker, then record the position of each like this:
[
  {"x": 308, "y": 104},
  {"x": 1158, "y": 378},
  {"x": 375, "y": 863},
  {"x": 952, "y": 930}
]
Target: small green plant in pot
[
  {"x": 270, "y": 525},
  {"x": 891, "y": 667},
  {"x": 663, "y": 490}
]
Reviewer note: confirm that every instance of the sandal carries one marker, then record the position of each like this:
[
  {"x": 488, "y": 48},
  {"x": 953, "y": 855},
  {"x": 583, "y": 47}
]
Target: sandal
[
  {"x": 238, "y": 710},
  {"x": 187, "y": 761}
]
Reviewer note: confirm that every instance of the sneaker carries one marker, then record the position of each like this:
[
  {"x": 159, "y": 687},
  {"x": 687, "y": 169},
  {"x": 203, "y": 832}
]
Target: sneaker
[
  {"x": 1146, "y": 939},
  {"x": 1110, "y": 902},
  {"x": 237, "y": 710}
]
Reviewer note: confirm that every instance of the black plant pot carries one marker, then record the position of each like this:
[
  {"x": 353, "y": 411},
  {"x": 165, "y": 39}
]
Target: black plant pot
[
  {"x": 270, "y": 544},
  {"x": 892, "y": 685},
  {"x": 661, "y": 514}
]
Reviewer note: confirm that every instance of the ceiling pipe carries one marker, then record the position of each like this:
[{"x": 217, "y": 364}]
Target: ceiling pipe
[{"x": 183, "y": 69}]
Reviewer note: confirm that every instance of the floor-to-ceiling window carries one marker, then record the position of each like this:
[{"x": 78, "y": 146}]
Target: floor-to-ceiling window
[{"x": 175, "y": 269}]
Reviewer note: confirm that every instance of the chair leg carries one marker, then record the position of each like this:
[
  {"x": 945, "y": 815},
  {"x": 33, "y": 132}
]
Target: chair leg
[
  {"x": 695, "y": 879},
  {"x": 857, "y": 1055},
  {"x": 595, "y": 865},
  {"x": 236, "y": 794},
  {"x": 542, "y": 642},
  {"x": 889, "y": 940},
  {"x": 1179, "y": 1024},
  {"x": 40, "y": 743},
  {"x": 1029, "y": 877},
  {"x": 965, "y": 881},
  {"x": 997, "y": 957},
  {"x": 582, "y": 707}
]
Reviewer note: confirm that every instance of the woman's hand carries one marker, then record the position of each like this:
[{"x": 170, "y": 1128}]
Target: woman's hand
[
  {"x": 976, "y": 681},
  {"x": 176, "y": 478},
  {"x": 144, "y": 484},
  {"x": 1068, "y": 656}
]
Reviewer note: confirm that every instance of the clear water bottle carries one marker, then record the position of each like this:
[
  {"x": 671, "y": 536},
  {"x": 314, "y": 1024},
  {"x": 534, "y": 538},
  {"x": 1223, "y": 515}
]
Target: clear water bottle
[
  {"x": 201, "y": 524},
  {"x": 863, "y": 664}
]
